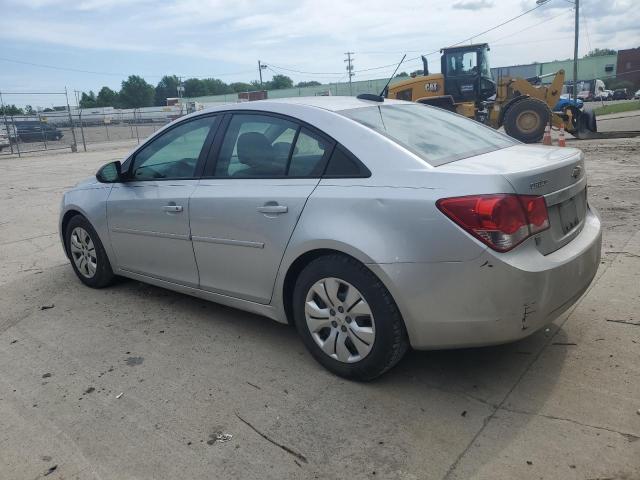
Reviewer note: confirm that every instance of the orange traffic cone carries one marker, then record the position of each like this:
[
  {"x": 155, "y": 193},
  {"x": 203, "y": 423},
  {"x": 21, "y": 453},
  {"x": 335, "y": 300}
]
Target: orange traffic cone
[
  {"x": 561, "y": 140},
  {"x": 546, "y": 139}
]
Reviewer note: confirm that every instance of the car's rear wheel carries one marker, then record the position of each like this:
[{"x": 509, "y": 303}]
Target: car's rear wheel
[
  {"x": 87, "y": 255},
  {"x": 347, "y": 318}
]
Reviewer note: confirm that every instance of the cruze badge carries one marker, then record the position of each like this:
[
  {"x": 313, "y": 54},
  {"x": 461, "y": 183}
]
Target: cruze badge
[{"x": 535, "y": 185}]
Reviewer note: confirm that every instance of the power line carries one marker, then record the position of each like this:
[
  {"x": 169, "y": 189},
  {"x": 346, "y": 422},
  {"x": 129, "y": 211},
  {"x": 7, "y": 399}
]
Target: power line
[
  {"x": 93, "y": 72},
  {"x": 338, "y": 77},
  {"x": 352, "y": 71},
  {"x": 465, "y": 40},
  {"x": 546, "y": 20},
  {"x": 435, "y": 51},
  {"x": 533, "y": 41},
  {"x": 41, "y": 65},
  {"x": 303, "y": 72},
  {"x": 500, "y": 24}
]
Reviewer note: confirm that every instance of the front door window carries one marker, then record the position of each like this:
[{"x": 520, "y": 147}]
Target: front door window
[{"x": 173, "y": 154}]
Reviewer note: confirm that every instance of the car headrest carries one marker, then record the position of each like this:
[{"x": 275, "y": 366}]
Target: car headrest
[{"x": 254, "y": 147}]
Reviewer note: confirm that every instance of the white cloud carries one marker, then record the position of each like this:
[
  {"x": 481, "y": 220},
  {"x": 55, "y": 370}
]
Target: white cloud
[
  {"x": 473, "y": 4},
  {"x": 309, "y": 35}
]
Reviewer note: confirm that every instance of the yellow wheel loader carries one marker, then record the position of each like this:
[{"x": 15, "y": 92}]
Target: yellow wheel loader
[{"x": 523, "y": 106}]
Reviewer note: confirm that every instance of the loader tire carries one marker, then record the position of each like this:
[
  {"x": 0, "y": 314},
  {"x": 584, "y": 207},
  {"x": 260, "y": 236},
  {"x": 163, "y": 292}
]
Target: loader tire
[{"x": 526, "y": 120}]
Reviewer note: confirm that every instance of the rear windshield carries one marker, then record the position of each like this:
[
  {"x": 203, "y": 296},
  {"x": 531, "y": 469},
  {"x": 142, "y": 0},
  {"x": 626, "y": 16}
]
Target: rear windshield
[{"x": 435, "y": 135}]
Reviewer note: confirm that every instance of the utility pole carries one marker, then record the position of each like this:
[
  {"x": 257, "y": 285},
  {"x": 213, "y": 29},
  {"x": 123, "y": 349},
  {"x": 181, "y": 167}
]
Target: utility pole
[
  {"x": 180, "y": 90},
  {"x": 261, "y": 66},
  {"x": 74, "y": 145},
  {"x": 575, "y": 52},
  {"x": 84, "y": 144},
  {"x": 349, "y": 61}
]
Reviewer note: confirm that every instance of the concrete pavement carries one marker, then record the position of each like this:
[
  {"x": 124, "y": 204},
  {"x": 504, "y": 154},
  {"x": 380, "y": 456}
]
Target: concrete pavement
[{"x": 561, "y": 404}]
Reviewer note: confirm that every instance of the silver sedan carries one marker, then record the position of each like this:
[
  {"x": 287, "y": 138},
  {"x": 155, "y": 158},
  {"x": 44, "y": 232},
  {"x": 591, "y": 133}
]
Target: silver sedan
[{"x": 371, "y": 226}]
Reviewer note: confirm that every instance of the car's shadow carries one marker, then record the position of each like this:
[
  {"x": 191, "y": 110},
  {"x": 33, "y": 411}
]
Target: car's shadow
[
  {"x": 487, "y": 374},
  {"x": 441, "y": 386}
]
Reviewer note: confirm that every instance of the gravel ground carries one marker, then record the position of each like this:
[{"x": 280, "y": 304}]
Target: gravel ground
[{"x": 138, "y": 382}]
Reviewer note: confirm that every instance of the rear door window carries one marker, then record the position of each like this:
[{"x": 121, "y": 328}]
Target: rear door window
[
  {"x": 307, "y": 158},
  {"x": 255, "y": 146},
  {"x": 343, "y": 164},
  {"x": 435, "y": 135},
  {"x": 266, "y": 146}
]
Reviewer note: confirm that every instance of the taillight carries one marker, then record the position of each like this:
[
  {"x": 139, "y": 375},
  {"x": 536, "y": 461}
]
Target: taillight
[{"x": 502, "y": 221}]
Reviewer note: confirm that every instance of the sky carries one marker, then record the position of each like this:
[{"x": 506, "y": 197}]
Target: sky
[{"x": 95, "y": 43}]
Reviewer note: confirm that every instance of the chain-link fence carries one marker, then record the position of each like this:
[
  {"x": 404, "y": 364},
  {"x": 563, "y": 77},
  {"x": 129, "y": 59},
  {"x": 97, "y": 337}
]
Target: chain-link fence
[{"x": 76, "y": 129}]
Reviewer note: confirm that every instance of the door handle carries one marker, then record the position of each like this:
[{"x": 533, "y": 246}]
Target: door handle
[
  {"x": 172, "y": 208},
  {"x": 270, "y": 208}
]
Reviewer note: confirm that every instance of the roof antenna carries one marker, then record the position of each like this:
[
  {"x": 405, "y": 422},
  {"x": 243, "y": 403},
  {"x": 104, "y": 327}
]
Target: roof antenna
[
  {"x": 382, "y": 93},
  {"x": 380, "y": 97}
]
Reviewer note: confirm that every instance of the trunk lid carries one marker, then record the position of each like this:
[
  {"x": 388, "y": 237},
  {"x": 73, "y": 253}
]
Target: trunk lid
[{"x": 558, "y": 174}]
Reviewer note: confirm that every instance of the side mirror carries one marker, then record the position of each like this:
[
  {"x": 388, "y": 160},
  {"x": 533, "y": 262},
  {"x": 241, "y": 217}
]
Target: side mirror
[{"x": 110, "y": 173}]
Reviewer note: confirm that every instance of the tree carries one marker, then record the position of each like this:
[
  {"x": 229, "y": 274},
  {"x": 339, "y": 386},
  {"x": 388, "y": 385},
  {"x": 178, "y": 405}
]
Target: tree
[
  {"x": 11, "y": 110},
  {"x": 255, "y": 85},
  {"x": 598, "y": 52},
  {"x": 241, "y": 87},
  {"x": 136, "y": 93},
  {"x": 279, "y": 82},
  {"x": 417, "y": 73},
  {"x": 402, "y": 74},
  {"x": 88, "y": 101},
  {"x": 615, "y": 83},
  {"x": 167, "y": 88},
  {"x": 194, "y": 87},
  {"x": 106, "y": 98},
  {"x": 311, "y": 83},
  {"x": 214, "y": 86}
]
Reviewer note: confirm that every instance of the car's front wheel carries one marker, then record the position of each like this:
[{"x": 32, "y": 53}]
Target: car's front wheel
[
  {"x": 348, "y": 319},
  {"x": 87, "y": 255}
]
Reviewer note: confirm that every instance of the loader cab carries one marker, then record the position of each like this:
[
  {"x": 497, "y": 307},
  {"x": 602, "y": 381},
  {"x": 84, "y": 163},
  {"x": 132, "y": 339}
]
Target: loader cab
[{"x": 467, "y": 75}]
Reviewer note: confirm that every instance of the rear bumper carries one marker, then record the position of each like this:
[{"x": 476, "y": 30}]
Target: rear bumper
[{"x": 496, "y": 298}]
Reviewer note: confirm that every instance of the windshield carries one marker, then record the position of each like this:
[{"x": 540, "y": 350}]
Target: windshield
[
  {"x": 462, "y": 63},
  {"x": 435, "y": 135}
]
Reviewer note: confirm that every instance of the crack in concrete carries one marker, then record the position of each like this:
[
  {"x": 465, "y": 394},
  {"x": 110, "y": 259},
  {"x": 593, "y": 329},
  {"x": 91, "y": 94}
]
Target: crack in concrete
[
  {"x": 28, "y": 238},
  {"x": 632, "y": 437},
  {"x": 289, "y": 450}
]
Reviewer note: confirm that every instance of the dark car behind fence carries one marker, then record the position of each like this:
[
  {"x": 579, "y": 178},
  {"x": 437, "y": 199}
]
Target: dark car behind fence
[{"x": 73, "y": 128}]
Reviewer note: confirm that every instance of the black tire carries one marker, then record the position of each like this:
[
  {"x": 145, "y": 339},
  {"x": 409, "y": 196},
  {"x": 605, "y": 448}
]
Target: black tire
[
  {"x": 526, "y": 120},
  {"x": 390, "y": 342},
  {"x": 103, "y": 275}
]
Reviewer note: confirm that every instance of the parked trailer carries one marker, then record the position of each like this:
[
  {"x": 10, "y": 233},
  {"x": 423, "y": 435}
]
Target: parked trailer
[{"x": 110, "y": 115}]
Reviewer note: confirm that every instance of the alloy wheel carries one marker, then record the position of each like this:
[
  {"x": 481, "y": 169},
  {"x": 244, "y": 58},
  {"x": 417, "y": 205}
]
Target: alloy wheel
[
  {"x": 528, "y": 121},
  {"x": 340, "y": 320},
  {"x": 83, "y": 252}
]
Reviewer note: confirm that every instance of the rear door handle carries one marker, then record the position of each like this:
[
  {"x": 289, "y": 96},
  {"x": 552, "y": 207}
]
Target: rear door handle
[
  {"x": 273, "y": 209},
  {"x": 172, "y": 208}
]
